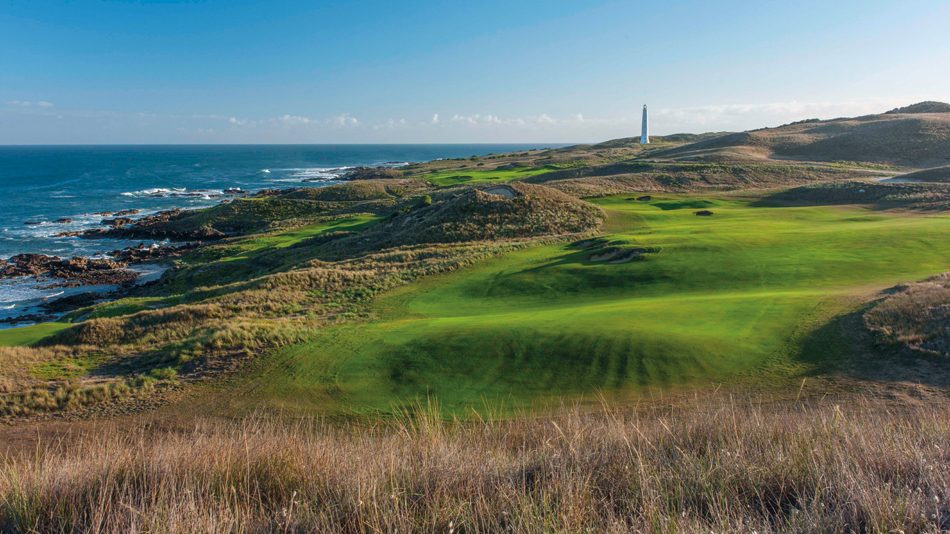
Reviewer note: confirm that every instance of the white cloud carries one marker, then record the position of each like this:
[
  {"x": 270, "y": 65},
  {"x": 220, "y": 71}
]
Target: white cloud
[
  {"x": 343, "y": 120},
  {"x": 749, "y": 116},
  {"x": 392, "y": 124},
  {"x": 24, "y": 104},
  {"x": 74, "y": 125},
  {"x": 470, "y": 120},
  {"x": 292, "y": 120}
]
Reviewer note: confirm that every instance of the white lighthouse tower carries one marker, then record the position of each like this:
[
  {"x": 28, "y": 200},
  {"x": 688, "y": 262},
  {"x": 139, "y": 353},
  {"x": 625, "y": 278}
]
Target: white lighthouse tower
[{"x": 645, "y": 132}]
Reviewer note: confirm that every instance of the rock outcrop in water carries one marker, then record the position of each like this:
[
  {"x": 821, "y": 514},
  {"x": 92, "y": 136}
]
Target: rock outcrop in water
[
  {"x": 79, "y": 271},
  {"x": 157, "y": 226},
  {"x": 75, "y": 271}
]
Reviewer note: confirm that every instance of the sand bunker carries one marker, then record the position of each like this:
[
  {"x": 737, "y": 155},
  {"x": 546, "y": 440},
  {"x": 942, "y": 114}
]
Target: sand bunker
[
  {"x": 501, "y": 190},
  {"x": 606, "y": 254},
  {"x": 628, "y": 255}
]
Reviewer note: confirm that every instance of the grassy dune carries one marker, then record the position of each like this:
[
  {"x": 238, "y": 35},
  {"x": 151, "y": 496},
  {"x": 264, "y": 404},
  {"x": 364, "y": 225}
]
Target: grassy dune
[
  {"x": 471, "y": 176},
  {"x": 248, "y": 248},
  {"x": 727, "y": 296}
]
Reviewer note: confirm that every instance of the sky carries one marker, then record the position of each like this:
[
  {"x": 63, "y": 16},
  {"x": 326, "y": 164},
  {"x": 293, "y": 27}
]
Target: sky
[{"x": 372, "y": 71}]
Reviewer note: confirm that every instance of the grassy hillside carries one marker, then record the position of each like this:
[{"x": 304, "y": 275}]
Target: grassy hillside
[
  {"x": 939, "y": 174},
  {"x": 914, "y": 137},
  {"x": 724, "y": 297}
]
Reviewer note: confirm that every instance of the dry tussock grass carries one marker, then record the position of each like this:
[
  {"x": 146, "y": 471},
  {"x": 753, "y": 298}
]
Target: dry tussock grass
[
  {"x": 916, "y": 316},
  {"x": 720, "y": 465},
  {"x": 16, "y": 362}
]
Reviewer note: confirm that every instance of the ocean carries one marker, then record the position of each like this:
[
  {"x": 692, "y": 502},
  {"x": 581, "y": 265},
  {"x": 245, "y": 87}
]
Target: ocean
[{"x": 42, "y": 184}]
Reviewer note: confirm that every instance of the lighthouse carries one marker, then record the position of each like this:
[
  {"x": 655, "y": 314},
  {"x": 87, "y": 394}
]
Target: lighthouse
[{"x": 645, "y": 132}]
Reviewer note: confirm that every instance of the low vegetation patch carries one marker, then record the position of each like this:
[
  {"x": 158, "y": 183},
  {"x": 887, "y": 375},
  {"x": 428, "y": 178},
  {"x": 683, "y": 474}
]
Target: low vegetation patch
[
  {"x": 885, "y": 195},
  {"x": 73, "y": 394},
  {"x": 356, "y": 191},
  {"x": 915, "y": 317},
  {"x": 633, "y": 176},
  {"x": 466, "y": 214}
]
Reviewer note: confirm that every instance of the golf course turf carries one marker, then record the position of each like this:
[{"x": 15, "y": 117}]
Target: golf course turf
[{"x": 727, "y": 296}]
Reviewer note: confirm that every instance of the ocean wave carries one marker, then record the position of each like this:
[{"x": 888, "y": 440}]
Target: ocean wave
[
  {"x": 10, "y": 307},
  {"x": 154, "y": 191},
  {"x": 175, "y": 192},
  {"x": 265, "y": 171},
  {"x": 316, "y": 174}
]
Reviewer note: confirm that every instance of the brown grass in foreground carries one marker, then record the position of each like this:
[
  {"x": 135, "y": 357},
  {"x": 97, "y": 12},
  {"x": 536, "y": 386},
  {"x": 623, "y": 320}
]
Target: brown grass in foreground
[{"x": 720, "y": 466}]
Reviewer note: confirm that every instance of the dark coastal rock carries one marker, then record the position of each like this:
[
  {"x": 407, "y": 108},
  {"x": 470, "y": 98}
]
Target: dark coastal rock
[
  {"x": 29, "y": 318},
  {"x": 73, "y": 233},
  {"x": 32, "y": 223},
  {"x": 156, "y": 227},
  {"x": 75, "y": 271},
  {"x": 373, "y": 173},
  {"x": 124, "y": 213},
  {"x": 73, "y": 302},
  {"x": 267, "y": 193},
  {"x": 64, "y": 220},
  {"x": 143, "y": 253},
  {"x": 118, "y": 221}
]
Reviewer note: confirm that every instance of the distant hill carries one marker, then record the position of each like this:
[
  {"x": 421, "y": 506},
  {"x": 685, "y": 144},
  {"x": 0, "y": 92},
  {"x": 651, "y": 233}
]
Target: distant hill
[
  {"x": 674, "y": 138},
  {"x": 912, "y": 136},
  {"x": 939, "y": 174},
  {"x": 922, "y": 107}
]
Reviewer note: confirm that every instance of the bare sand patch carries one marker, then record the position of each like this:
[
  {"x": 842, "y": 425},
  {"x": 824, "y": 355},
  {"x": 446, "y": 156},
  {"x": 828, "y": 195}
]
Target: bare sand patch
[{"x": 502, "y": 190}]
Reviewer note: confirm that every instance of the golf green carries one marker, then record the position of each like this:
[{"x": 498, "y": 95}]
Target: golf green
[{"x": 717, "y": 297}]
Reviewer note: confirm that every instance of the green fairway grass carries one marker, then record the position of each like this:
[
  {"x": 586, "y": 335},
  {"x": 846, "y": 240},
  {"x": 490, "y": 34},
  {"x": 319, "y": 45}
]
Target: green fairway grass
[
  {"x": 245, "y": 249},
  {"x": 723, "y": 297},
  {"x": 27, "y": 335},
  {"x": 466, "y": 176}
]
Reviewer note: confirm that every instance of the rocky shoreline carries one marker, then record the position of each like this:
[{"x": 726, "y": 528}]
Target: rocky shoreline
[
  {"x": 52, "y": 272},
  {"x": 78, "y": 271},
  {"x": 153, "y": 227},
  {"x": 111, "y": 269}
]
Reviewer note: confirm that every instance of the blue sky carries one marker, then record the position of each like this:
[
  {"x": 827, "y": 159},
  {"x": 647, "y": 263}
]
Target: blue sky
[{"x": 288, "y": 71}]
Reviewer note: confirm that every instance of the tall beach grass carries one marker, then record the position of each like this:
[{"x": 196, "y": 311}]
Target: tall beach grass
[{"x": 720, "y": 465}]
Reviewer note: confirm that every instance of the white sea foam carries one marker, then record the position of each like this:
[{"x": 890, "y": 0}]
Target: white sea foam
[
  {"x": 176, "y": 192},
  {"x": 265, "y": 171},
  {"x": 315, "y": 174}
]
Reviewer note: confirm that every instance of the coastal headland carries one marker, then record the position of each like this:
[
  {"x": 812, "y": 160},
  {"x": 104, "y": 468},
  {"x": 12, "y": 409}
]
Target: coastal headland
[{"x": 607, "y": 305}]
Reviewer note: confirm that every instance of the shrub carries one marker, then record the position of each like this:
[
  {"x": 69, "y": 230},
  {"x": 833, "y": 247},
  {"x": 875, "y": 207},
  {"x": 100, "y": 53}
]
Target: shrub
[{"x": 166, "y": 373}]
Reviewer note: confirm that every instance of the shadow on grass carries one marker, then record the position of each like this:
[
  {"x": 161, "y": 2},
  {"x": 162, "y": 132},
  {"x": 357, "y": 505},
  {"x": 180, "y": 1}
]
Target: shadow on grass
[{"x": 844, "y": 347}]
